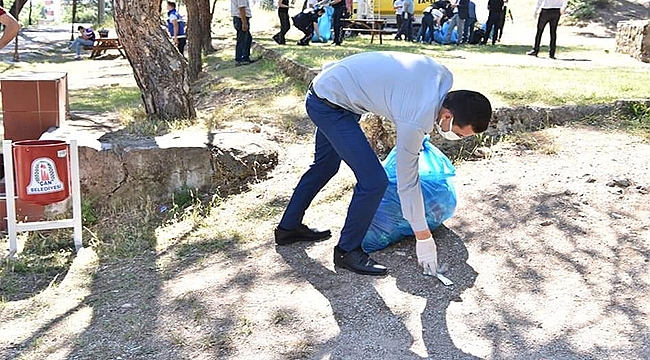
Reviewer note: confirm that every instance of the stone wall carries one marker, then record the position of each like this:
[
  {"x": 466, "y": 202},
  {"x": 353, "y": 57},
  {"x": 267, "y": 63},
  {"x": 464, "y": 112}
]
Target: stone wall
[
  {"x": 633, "y": 38},
  {"x": 289, "y": 67},
  {"x": 120, "y": 170}
]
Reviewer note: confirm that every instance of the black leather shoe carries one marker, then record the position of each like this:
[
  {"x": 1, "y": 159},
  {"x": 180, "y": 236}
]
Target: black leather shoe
[
  {"x": 532, "y": 53},
  {"x": 358, "y": 262},
  {"x": 301, "y": 233}
]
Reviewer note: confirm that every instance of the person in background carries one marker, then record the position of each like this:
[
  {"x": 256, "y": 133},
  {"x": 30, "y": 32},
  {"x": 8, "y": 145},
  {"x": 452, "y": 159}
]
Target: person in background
[
  {"x": 412, "y": 91},
  {"x": 506, "y": 12},
  {"x": 430, "y": 19},
  {"x": 176, "y": 26},
  {"x": 11, "y": 27},
  {"x": 241, "y": 16},
  {"x": 283, "y": 14},
  {"x": 461, "y": 13},
  {"x": 398, "y": 6},
  {"x": 86, "y": 38},
  {"x": 547, "y": 12},
  {"x": 494, "y": 19},
  {"x": 408, "y": 10},
  {"x": 340, "y": 8},
  {"x": 468, "y": 29},
  {"x": 307, "y": 22},
  {"x": 449, "y": 11}
]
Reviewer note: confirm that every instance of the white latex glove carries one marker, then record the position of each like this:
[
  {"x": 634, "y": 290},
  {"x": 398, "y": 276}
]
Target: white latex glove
[{"x": 427, "y": 253}]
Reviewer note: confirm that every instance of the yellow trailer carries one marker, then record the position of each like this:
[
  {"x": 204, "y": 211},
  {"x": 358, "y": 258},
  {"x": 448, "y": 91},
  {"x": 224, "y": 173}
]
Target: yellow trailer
[{"x": 383, "y": 9}]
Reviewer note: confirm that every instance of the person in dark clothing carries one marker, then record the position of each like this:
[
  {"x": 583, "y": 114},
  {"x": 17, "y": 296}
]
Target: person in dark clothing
[
  {"x": 445, "y": 7},
  {"x": 549, "y": 12},
  {"x": 460, "y": 11},
  {"x": 407, "y": 21},
  {"x": 463, "y": 14},
  {"x": 426, "y": 26},
  {"x": 494, "y": 19},
  {"x": 340, "y": 8},
  {"x": 506, "y": 12},
  {"x": 307, "y": 22},
  {"x": 468, "y": 31},
  {"x": 283, "y": 14}
]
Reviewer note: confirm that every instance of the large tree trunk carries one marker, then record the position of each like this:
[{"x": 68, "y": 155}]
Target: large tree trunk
[
  {"x": 193, "y": 38},
  {"x": 17, "y": 7},
  {"x": 159, "y": 69},
  {"x": 199, "y": 34},
  {"x": 205, "y": 21}
]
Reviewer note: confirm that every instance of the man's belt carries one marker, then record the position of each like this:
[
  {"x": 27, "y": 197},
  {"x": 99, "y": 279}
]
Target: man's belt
[{"x": 323, "y": 100}]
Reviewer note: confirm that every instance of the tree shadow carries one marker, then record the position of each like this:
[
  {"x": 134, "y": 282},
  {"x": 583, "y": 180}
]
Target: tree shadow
[
  {"x": 368, "y": 326},
  {"x": 620, "y": 10},
  {"x": 564, "y": 214}
]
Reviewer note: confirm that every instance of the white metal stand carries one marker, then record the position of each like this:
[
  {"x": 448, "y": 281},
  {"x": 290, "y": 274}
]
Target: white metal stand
[{"x": 13, "y": 227}]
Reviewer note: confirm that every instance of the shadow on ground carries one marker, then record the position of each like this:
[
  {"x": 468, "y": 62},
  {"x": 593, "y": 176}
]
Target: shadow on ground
[{"x": 367, "y": 324}]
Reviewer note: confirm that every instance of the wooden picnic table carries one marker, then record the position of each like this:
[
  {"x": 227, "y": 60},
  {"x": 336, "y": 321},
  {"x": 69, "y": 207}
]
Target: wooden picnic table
[
  {"x": 373, "y": 26},
  {"x": 104, "y": 44}
]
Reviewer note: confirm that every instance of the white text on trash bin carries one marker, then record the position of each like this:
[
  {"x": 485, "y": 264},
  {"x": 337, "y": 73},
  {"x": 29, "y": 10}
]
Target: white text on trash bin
[{"x": 45, "y": 179}]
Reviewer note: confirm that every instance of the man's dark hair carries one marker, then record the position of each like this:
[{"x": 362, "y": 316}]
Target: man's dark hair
[
  {"x": 81, "y": 28},
  {"x": 469, "y": 108},
  {"x": 172, "y": 4}
]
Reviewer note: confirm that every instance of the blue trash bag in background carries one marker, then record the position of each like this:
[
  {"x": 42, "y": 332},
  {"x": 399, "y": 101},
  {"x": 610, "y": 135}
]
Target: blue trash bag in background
[
  {"x": 441, "y": 33},
  {"x": 324, "y": 26},
  {"x": 388, "y": 225}
]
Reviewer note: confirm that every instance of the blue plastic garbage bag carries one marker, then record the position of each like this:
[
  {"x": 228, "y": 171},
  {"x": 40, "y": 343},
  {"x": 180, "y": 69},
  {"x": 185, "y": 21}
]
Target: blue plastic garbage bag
[
  {"x": 436, "y": 172},
  {"x": 324, "y": 26},
  {"x": 441, "y": 33}
]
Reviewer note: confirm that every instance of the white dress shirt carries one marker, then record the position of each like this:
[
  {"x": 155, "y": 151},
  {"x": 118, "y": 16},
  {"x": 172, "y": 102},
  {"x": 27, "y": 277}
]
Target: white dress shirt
[{"x": 551, "y": 4}]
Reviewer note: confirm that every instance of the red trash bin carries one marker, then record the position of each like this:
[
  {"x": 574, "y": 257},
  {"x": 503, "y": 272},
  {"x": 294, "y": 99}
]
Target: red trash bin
[{"x": 42, "y": 171}]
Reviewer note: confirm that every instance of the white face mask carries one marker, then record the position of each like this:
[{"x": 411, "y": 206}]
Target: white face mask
[{"x": 449, "y": 135}]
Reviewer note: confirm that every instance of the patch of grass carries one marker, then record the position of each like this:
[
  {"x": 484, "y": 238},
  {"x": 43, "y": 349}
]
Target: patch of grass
[
  {"x": 257, "y": 93},
  {"x": 515, "y": 84},
  {"x": 137, "y": 122},
  {"x": 266, "y": 211},
  {"x": 538, "y": 141},
  {"x": 244, "y": 327},
  {"x": 638, "y": 120},
  {"x": 317, "y": 55},
  {"x": 89, "y": 213},
  {"x": 522, "y": 86},
  {"x": 283, "y": 316},
  {"x": 209, "y": 246},
  {"x": 635, "y": 120},
  {"x": 126, "y": 232},
  {"x": 191, "y": 305},
  {"x": 105, "y": 98}
]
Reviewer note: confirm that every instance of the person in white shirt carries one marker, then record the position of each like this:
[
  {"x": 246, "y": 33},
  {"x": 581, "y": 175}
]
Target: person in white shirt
[
  {"x": 398, "y": 6},
  {"x": 547, "y": 12},
  {"x": 241, "y": 15},
  {"x": 411, "y": 90}
]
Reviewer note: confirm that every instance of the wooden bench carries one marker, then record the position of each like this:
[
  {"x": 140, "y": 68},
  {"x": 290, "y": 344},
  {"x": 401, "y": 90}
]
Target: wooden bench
[
  {"x": 102, "y": 45},
  {"x": 367, "y": 26}
]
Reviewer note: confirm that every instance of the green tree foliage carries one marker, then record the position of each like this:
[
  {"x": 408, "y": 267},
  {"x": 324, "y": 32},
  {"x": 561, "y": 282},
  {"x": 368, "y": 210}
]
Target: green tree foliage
[{"x": 86, "y": 11}]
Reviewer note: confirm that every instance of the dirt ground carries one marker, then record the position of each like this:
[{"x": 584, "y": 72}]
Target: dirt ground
[
  {"x": 549, "y": 254},
  {"x": 549, "y": 251}
]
